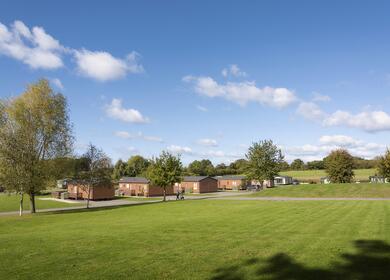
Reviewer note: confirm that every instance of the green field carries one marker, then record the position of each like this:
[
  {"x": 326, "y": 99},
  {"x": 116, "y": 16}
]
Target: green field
[
  {"x": 366, "y": 190},
  {"x": 202, "y": 239},
  {"x": 315, "y": 175},
  {"x": 11, "y": 203}
]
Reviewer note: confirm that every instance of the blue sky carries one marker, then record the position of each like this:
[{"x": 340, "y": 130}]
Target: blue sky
[{"x": 207, "y": 78}]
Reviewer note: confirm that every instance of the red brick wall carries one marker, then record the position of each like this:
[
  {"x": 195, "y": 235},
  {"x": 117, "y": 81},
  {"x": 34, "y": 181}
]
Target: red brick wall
[
  {"x": 142, "y": 189},
  {"x": 96, "y": 193}
]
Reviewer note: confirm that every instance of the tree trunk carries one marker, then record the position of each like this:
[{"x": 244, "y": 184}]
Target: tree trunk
[
  {"x": 21, "y": 205},
  {"x": 89, "y": 193},
  {"x": 165, "y": 193},
  {"x": 32, "y": 203}
]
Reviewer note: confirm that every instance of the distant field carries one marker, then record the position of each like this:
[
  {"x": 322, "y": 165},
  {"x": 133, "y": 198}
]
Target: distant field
[
  {"x": 11, "y": 203},
  {"x": 330, "y": 190},
  {"x": 212, "y": 240},
  {"x": 315, "y": 175}
]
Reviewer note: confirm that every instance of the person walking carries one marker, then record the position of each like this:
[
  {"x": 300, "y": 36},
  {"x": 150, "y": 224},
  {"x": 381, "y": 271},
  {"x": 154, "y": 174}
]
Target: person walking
[{"x": 178, "y": 194}]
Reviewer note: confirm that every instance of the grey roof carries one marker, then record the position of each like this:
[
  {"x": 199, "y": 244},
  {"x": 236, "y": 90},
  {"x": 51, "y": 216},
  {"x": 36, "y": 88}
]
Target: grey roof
[
  {"x": 133, "y": 180},
  {"x": 282, "y": 176},
  {"x": 195, "y": 178},
  {"x": 230, "y": 177}
]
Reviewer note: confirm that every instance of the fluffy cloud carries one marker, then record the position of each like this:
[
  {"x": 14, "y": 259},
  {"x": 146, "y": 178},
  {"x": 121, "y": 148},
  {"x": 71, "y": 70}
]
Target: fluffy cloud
[
  {"x": 233, "y": 70},
  {"x": 339, "y": 140},
  {"x": 208, "y": 142},
  {"x": 139, "y": 135},
  {"x": 328, "y": 143},
  {"x": 57, "y": 82},
  {"x": 179, "y": 149},
  {"x": 310, "y": 111},
  {"x": 370, "y": 121},
  {"x": 318, "y": 97},
  {"x": 242, "y": 92},
  {"x": 39, "y": 50},
  {"x": 102, "y": 66},
  {"x": 115, "y": 110},
  {"x": 33, "y": 47}
]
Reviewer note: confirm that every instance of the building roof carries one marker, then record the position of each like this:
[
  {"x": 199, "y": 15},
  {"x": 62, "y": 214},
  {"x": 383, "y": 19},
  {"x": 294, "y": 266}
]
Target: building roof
[
  {"x": 281, "y": 176},
  {"x": 195, "y": 178},
  {"x": 230, "y": 177},
  {"x": 134, "y": 180}
]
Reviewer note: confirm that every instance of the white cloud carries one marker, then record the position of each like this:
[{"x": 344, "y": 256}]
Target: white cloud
[
  {"x": 57, "y": 82},
  {"x": 123, "y": 134},
  {"x": 201, "y": 108},
  {"x": 242, "y": 92},
  {"x": 102, "y": 66},
  {"x": 233, "y": 70},
  {"x": 327, "y": 143},
  {"x": 208, "y": 142},
  {"x": 40, "y": 50},
  {"x": 139, "y": 135},
  {"x": 339, "y": 140},
  {"x": 310, "y": 111},
  {"x": 318, "y": 97},
  {"x": 115, "y": 110},
  {"x": 179, "y": 149},
  {"x": 370, "y": 121},
  {"x": 33, "y": 47}
]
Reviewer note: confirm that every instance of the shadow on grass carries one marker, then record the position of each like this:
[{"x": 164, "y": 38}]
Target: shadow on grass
[{"x": 371, "y": 261}]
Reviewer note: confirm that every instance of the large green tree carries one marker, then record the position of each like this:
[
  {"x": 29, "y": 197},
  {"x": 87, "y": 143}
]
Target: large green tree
[
  {"x": 264, "y": 161},
  {"x": 98, "y": 171},
  {"x": 165, "y": 171},
  {"x": 35, "y": 127},
  {"x": 202, "y": 167},
  {"x": 136, "y": 166},
  {"x": 297, "y": 164},
  {"x": 119, "y": 170},
  {"x": 339, "y": 166},
  {"x": 384, "y": 165}
]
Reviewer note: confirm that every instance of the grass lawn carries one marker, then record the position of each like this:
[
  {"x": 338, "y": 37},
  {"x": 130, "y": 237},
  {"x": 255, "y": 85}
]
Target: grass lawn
[
  {"x": 315, "y": 175},
  {"x": 11, "y": 203},
  {"x": 202, "y": 240},
  {"x": 328, "y": 190}
]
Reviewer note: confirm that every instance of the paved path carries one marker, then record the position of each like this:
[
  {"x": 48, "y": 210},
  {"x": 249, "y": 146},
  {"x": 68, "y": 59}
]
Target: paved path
[
  {"x": 280, "y": 198},
  {"x": 213, "y": 196}
]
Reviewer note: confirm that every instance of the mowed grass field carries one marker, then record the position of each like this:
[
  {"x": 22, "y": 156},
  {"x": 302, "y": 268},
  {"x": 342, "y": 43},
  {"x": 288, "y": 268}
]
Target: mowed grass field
[
  {"x": 10, "y": 202},
  {"x": 202, "y": 239},
  {"x": 362, "y": 190},
  {"x": 315, "y": 175}
]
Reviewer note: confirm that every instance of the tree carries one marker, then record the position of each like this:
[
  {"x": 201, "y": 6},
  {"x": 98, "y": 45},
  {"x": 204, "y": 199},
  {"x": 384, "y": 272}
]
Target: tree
[
  {"x": 120, "y": 170},
  {"x": 165, "y": 171},
  {"x": 202, "y": 167},
  {"x": 264, "y": 161},
  {"x": 238, "y": 166},
  {"x": 35, "y": 127},
  {"x": 284, "y": 166},
  {"x": 384, "y": 165},
  {"x": 315, "y": 164},
  {"x": 136, "y": 165},
  {"x": 297, "y": 164},
  {"x": 339, "y": 166},
  {"x": 98, "y": 171},
  {"x": 221, "y": 169}
]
